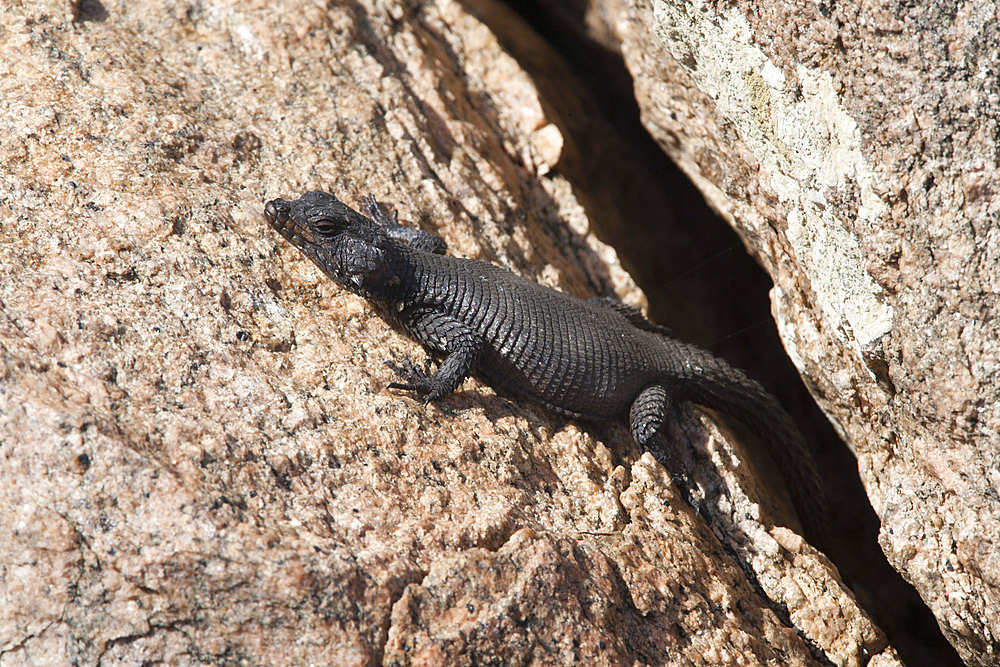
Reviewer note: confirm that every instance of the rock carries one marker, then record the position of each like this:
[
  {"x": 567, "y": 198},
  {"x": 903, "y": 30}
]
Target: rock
[
  {"x": 201, "y": 462},
  {"x": 853, "y": 146}
]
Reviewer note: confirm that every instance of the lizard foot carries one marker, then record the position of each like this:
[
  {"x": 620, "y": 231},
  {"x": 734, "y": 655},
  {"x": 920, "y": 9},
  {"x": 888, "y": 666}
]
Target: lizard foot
[
  {"x": 374, "y": 210},
  {"x": 417, "y": 379}
]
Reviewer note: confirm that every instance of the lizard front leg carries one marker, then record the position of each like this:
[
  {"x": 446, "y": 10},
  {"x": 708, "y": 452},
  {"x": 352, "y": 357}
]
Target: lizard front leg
[
  {"x": 417, "y": 239},
  {"x": 437, "y": 331}
]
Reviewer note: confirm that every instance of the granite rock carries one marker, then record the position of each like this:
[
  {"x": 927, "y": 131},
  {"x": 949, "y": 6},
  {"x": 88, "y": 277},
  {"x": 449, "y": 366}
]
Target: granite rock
[{"x": 201, "y": 462}]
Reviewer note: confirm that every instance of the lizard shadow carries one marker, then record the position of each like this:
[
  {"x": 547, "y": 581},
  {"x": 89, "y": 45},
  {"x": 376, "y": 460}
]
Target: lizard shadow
[
  {"x": 499, "y": 405},
  {"x": 683, "y": 447}
]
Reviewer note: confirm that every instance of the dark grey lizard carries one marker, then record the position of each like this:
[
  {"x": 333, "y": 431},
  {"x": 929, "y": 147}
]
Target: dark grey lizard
[{"x": 594, "y": 360}]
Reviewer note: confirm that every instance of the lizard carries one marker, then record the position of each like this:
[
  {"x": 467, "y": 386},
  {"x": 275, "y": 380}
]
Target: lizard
[{"x": 595, "y": 359}]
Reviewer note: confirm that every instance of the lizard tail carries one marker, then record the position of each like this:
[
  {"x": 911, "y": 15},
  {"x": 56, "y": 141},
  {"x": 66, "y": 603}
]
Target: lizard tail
[{"x": 707, "y": 380}]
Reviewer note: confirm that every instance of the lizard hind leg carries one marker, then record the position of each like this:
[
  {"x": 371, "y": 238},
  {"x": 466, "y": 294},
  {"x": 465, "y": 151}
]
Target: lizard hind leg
[{"x": 648, "y": 412}]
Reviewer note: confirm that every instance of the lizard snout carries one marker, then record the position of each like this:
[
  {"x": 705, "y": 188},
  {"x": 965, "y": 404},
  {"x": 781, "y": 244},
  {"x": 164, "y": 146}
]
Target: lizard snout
[{"x": 276, "y": 211}]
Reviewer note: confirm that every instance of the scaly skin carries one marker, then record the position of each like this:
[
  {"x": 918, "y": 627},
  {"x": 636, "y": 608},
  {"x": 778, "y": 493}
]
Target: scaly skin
[{"x": 594, "y": 360}]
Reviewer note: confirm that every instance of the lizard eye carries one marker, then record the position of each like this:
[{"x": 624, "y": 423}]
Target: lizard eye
[{"x": 327, "y": 226}]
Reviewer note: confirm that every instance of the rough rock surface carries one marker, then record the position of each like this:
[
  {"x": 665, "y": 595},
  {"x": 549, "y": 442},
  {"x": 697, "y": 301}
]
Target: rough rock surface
[
  {"x": 855, "y": 147},
  {"x": 200, "y": 462}
]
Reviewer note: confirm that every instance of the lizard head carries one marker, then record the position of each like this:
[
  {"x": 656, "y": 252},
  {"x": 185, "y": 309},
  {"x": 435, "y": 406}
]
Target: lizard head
[
  {"x": 348, "y": 246},
  {"x": 315, "y": 218}
]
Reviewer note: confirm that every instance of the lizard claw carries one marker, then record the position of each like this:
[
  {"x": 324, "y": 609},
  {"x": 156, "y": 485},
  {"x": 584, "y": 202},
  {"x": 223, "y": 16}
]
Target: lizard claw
[
  {"x": 368, "y": 204},
  {"x": 417, "y": 379}
]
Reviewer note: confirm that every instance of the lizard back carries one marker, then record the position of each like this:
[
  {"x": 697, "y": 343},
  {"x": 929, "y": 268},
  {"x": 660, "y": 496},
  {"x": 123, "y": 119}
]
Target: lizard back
[{"x": 576, "y": 357}]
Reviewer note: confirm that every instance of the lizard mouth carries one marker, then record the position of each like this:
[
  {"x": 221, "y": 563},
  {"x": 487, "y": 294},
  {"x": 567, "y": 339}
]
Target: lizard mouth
[{"x": 279, "y": 215}]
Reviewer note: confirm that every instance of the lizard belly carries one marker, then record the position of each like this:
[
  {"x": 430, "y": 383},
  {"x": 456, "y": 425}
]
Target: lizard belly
[{"x": 588, "y": 401}]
